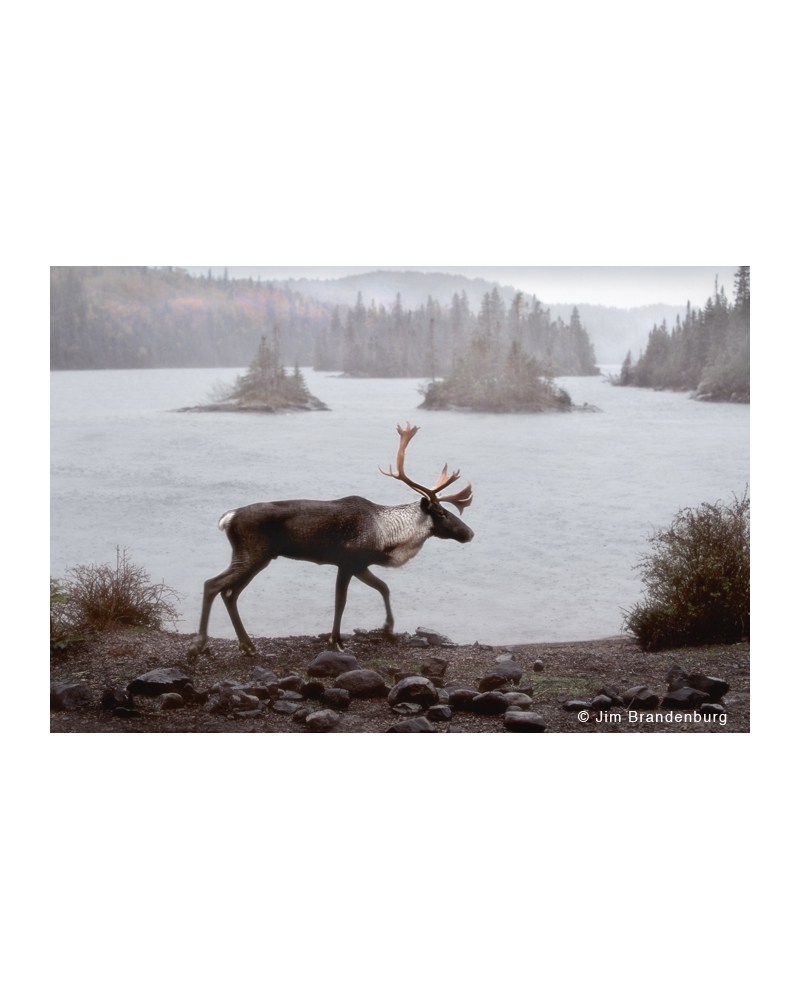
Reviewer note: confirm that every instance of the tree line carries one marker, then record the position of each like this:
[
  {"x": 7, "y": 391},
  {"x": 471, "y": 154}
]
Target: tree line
[
  {"x": 708, "y": 351},
  {"x": 140, "y": 317},
  {"x": 431, "y": 340}
]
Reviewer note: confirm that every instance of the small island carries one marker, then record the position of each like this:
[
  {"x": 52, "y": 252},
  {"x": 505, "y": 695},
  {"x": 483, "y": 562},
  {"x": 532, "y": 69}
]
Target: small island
[
  {"x": 264, "y": 388},
  {"x": 487, "y": 379}
]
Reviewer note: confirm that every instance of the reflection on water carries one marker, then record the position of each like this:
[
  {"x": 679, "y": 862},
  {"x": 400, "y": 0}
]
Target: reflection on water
[{"x": 563, "y": 502}]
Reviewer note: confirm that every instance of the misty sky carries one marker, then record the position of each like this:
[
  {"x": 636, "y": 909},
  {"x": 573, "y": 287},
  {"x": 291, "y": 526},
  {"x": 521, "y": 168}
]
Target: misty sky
[{"x": 609, "y": 286}]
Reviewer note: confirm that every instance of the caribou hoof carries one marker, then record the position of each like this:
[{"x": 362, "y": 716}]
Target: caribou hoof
[
  {"x": 193, "y": 652},
  {"x": 247, "y": 648}
]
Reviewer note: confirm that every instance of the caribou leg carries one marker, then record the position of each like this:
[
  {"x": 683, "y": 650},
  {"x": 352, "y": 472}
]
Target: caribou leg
[
  {"x": 343, "y": 578},
  {"x": 377, "y": 584},
  {"x": 230, "y": 584}
]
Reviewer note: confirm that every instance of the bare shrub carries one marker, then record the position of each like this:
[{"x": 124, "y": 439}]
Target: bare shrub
[
  {"x": 95, "y": 598},
  {"x": 697, "y": 579}
]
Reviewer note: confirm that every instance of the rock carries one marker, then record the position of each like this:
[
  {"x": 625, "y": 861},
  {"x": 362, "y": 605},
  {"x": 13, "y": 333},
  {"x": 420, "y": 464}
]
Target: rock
[
  {"x": 363, "y": 684},
  {"x": 322, "y": 722},
  {"x": 407, "y": 708},
  {"x": 434, "y": 638},
  {"x": 159, "y": 681},
  {"x": 576, "y": 706},
  {"x": 416, "y": 641},
  {"x": 455, "y": 729},
  {"x": 252, "y": 713},
  {"x": 216, "y": 705},
  {"x": 336, "y": 697},
  {"x": 516, "y": 699},
  {"x": 538, "y": 666},
  {"x": 292, "y": 682},
  {"x": 443, "y": 696},
  {"x": 460, "y": 699},
  {"x": 67, "y": 695},
  {"x": 330, "y": 664},
  {"x": 714, "y": 710},
  {"x": 685, "y": 697},
  {"x": 261, "y": 691},
  {"x": 418, "y": 725},
  {"x": 714, "y": 687},
  {"x": 415, "y": 689},
  {"x": 191, "y": 695},
  {"x": 302, "y": 714},
  {"x": 507, "y": 672},
  {"x": 640, "y": 697},
  {"x": 602, "y": 703},
  {"x": 262, "y": 676},
  {"x": 115, "y": 698},
  {"x": 676, "y": 678},
  {"x": 289, "y": 695},
  {"x": 312, "y": 690},
  {"x": 284, "y": 707},
  {"x": 612, "y": 694},
  {"x": 524, "y": 722},
  {"x": 489, "y": 703},
  {"x": 439, "y": 713},
  {"x": 435, "y": 668},
  {"x": 123, "y": 712},
  {"x": 170, "y": 701}
]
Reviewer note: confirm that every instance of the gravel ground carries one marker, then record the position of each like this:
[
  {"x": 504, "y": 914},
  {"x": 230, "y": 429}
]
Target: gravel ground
[{"x": 572, "y": 670}]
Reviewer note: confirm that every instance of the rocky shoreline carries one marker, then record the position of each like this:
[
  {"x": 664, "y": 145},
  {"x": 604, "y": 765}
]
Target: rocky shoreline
[{"x": 138, "y": 681}]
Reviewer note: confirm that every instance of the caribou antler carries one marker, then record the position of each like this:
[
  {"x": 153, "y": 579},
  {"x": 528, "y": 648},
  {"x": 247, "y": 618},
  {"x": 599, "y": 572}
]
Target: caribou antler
[{"x": 461, "y": 499}]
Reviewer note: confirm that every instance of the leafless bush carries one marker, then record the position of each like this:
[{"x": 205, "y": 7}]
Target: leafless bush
[{"x": 95, "y": 598}]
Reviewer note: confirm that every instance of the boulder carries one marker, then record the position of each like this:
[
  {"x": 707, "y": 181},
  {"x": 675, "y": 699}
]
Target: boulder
[
  {"x": 507, "y": 672},
  {"x": 159, "y": 681},
  {"x": 576, "y": 706},
  {"x": 489, "y": 703},
  {"x": 460, "y": 699},
  {"x": 292, "y": 682},
  {"x": 313, "y": 690},
  {"x": 640, "y": 698},
  {"x": 435, "y": 668},
  {"x": 538, "y": 666},
  {"x": 714, "y": 687},
  {"x": 285, "y": 707},
  {"x": 602, "y": 703},
  {"x": 67, "y": 695},
  {"x": 322, "y": 722},
  {"x": 414, "y": 689},
  {"x": 115, "y": 698},
  {"x": 262, "y": 676},
  {"x": 336, "y": 697},
  {"x": 418, "y": 725},
  {"x": 363, "y": 683},
  {"x": 612, "y": 694},
  {"x": 330, "y": 664},
  {"x": 516, "y": 699},
  {"x": 440, "y": 713},
  {"x": 684, "y": 698},
  {"x": 434, "y": 638},
  {"x": 170, "y": 701},
  {"x": 524, "y": 722},
  {"x": 289, "y": 695}
]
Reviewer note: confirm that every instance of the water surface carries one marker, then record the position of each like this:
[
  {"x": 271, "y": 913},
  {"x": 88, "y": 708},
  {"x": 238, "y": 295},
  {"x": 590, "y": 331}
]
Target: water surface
[{"x": 563, "y": 503}]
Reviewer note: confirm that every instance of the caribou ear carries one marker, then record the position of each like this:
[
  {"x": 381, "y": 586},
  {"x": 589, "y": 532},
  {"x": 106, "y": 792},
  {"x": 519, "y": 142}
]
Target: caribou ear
[{"x": 425, "y": 504}]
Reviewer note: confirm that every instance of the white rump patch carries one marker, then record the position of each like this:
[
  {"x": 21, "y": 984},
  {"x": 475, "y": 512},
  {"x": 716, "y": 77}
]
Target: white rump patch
[{"x": 225, "y": 520}]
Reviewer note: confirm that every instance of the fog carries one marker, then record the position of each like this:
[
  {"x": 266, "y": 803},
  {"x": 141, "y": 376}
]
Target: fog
[{"x": 625, "y": 287}]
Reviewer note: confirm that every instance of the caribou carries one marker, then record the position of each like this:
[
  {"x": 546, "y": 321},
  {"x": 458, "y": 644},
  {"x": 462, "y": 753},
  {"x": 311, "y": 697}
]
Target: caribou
[{"x": 351, "y": 533}]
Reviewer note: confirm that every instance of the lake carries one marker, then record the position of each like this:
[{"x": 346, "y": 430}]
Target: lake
[{"x": 563, "y": 503}]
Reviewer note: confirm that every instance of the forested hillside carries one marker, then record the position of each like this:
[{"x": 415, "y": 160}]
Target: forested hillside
[
  {"x": 708, "y": 351},
  {"x": 428, "y": 341},
  {"x": 140, "y": 317}
]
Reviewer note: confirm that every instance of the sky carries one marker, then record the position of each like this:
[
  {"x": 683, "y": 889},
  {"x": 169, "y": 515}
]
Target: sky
[{"x": 625, "y": 287}]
